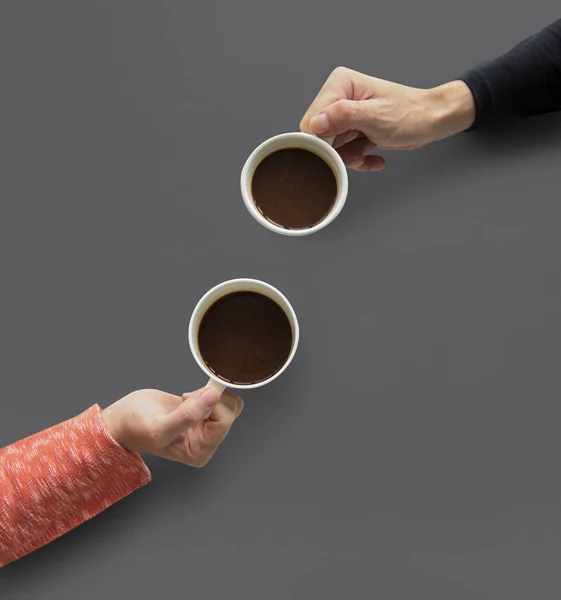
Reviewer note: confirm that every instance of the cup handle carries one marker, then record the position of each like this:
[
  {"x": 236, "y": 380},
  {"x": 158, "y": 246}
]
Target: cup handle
[
  {"x": 218, "y": 388},
  {"x": 329, "y": 140}
]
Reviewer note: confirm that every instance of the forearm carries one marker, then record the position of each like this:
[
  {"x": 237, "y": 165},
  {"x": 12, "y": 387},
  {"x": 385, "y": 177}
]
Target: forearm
[
  {"x": 525, "y": 81},
  {"x": 55, "y": 480}
]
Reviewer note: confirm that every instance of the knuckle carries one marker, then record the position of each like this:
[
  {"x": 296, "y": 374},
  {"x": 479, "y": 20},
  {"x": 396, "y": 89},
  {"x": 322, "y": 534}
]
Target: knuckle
[
  {"x": 200, "y": 462},
  {"x": 221, "y": 430},
  {"x": 187, "y": 417},
  {"x": 346, "y": 109},
  {"x": 156, "y": 437},
  {"x": 340, "y": 71}
]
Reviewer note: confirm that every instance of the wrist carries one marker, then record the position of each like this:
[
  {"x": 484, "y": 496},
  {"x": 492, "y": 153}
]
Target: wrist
[
  {"x": 111, "y": 420},
  {"x": 453, "y": 108}
]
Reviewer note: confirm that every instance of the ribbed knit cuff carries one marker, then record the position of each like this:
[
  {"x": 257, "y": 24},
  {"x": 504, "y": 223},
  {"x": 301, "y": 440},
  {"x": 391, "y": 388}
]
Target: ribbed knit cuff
[{"x": 482, "y": 93}]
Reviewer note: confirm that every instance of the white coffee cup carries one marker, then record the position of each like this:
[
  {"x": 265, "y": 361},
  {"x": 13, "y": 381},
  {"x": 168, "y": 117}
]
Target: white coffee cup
[
  {"x": 221, "y": 290},
  {"x": 319, "y": 146}
]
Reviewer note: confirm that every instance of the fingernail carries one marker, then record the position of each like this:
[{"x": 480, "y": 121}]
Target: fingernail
[
  {"x": 209, "y": 398},
  {"x": 320, "y": 124}
]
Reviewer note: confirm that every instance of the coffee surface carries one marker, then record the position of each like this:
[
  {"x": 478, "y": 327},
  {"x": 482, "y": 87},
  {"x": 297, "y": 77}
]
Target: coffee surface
[
  {"x": 294, "y": 188},
  {"x": 245, "y": 337}
]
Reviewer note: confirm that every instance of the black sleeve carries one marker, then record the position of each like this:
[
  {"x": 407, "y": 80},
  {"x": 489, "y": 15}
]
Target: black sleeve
[{"x": 525, "y": 81}]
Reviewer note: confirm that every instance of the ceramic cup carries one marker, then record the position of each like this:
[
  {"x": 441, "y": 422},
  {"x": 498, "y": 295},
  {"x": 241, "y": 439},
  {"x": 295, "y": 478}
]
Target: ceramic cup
[
  {"x": 319, "y": 146},
  {"x": 217, "y": 292}
]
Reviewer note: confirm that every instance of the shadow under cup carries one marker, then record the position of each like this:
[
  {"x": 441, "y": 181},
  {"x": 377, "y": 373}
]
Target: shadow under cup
[
  {"x": 300, "y": 142},
  {"x": 228, "y": 342}
]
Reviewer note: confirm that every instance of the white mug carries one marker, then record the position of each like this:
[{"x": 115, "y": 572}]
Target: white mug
[
  {"x": 305, "y": 141},
  {"x": 229, "y": 287}
]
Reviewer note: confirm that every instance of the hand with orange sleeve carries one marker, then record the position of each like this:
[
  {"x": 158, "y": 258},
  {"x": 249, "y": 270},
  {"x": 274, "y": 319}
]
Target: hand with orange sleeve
[{"x": 55, "y": 480}]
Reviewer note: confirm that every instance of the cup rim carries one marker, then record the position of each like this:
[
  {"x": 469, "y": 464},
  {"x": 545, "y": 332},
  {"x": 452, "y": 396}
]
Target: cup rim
[
  {"x": 337, "y": 205},
  {"x": 193, "y": 346}
]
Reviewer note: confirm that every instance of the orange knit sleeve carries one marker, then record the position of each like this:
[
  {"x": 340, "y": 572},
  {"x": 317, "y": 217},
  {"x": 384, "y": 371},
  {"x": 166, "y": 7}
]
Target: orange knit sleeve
[{"x": 55, "y": 480}]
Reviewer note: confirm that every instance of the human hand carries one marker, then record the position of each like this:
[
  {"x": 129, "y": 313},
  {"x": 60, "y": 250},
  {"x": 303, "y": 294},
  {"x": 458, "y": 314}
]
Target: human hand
[
  {"x": 364, "y": 112},
  {"x": 174, "y": 427}
]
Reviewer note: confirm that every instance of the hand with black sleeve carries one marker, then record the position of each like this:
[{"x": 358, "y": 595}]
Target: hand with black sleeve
[{"x": 364, "y": 113}]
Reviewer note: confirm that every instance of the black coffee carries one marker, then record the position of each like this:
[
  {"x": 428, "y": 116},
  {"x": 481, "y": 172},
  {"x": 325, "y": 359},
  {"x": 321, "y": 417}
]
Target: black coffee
[
  {"x": 294, "y": 188},
  {"x": 245, "y": 337}
]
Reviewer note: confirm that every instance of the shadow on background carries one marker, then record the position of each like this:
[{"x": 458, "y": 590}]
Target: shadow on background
[
  {"x": 377, "y": 576},
  {"x": 456, "y": 158},
  {"x": 521, "y": 135},
  {"x": 468, "y": 456}
]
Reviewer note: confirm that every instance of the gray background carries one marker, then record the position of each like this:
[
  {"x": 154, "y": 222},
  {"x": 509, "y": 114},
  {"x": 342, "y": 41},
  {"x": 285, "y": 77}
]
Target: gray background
[{"x": 412, "y": 449}]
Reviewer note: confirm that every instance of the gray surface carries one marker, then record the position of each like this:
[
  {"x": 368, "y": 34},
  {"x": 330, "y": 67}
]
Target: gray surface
[{"x": 412, "y": 450}]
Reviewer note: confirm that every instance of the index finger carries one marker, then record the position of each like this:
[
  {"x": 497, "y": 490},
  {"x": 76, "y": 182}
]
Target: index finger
[
  {"x": 220, "y": 421},
  {"x": 230, "y": 401},
  {"x": 338, "y": 86}
]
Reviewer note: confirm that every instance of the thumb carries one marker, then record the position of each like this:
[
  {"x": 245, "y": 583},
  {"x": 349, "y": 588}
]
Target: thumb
[
  {"x": 339, "y": 117},
  {"x": 187, "y": 415}
]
